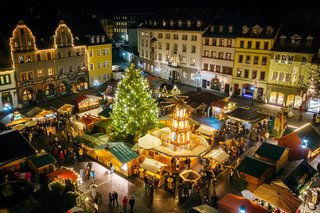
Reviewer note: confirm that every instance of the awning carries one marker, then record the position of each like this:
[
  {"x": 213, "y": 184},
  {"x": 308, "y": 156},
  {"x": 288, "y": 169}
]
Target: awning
[
  {"x": 217, "y": 155},
  {"x": 206, "y": 130},
  {"x": 149, "y": 142},
  {"x": 152, "y": 165}
]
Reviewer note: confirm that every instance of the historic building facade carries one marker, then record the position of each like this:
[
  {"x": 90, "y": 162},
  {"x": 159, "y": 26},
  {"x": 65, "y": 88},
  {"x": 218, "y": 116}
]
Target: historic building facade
[
  {"x": 252, "y": 59},
  {"x": 171, "y": 49},
  {"x": 218, "y": 47},
  {"x": 45, "y": 73}
]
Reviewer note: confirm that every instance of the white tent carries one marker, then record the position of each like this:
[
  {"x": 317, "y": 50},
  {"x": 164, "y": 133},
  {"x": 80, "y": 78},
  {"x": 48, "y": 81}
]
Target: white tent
[
  {"x": 206, "y": 130},
  {"x": 149, "y": 142},
  {"x": 152, "y": 165},
  {"x": 217, "y": 155}
]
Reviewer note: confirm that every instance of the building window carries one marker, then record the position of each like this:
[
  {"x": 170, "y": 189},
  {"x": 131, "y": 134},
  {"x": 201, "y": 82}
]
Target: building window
[
  {"x": 91, "y": 67},
  {"x": 192, "y": 62},
  {"x": 304, "y": 60},
  {"x": 175, "y": 48},
  {"x": 275, "y": 76},
  {"x": 221, "y": 42},
  {"x": 98, "y": 65},
  {"x": 301, "y": 78},
  {"x": 218, "y": 68},
  {"x": 205, "y": 66},
  {"x": 206, "y": 54},
  {"x": 184, "y": 60},
  {"x": 98, "y": 52},
  {"x": 167, "y": 35},
  {"x": 159, "y": 56},
  {"x": 288, "y": 77},
  {"x": 262, "y": 75},
  {"x": 167, "y": 46},
  {"x": 212, "y": 67},
  {"x": 241, "y": 44},
  {"x": 16, "y": 44},
  {"x": 21, "y": 59},
  {"x": 159, "y": 35},
  {"x": 193, "y": 38},
  {"x": 214, "y": 42},
  {"x": 30, "y": 75},
  {"x": 26, "y": 95},
  {"x": 220, "y": 55},
  {"x": 220, "y": 28},
  {"x": 264, "y": 60},
  {"x": 290, "y": 59},
  {"x": 49, "y": 90},
  {"x": 193, "y": 49},
  {"x": 239, "y": 72},
  {"x": 5, "y": 79},
  {"x": 249, "y": 44},
  {"x": 228, "y": 56},
  {"x": 40, "y": 73},
  {"x": 257, "y": 44},
  {"x": 206, "y": 41},
  {"x": 283, "y": 58},
  {"x": 230, "y": 29},
  {"x": 240, "y": 59},
  {"x": 175, "y": 36},
  {"x": 246, "y": 73},
  {"x": 185, "y": 37},
  {"x": 248, "y": 59},
  {"x": 229, "y": 42},
  {"x": 184, "y": 48},
  {"x": 281, "y": 76},
  {"x": 159, "y": 45},
  {"x": 23, "y": 76},
  {"x": 38, "y": 57},
  {"x": 92, "y": 40},
  {"x": 49, "y": 56},
  {"x": 277, "y": 57},
  {"x": 254, "y": 74},
  {"x": 62, "y": 88},
  {"x": 28, "y": 58},
  {"x": 266, "y": 45},
  {"x": 213, "y": 54},
  {"x": 255, "y": 59},
  {"x": 69, "y": 53}
]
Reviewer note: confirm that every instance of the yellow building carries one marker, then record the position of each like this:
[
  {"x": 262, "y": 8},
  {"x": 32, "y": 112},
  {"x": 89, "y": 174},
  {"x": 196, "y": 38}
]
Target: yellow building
[
  {"x": 251, "y": 63},
  {"x": 99, "y": 60}
]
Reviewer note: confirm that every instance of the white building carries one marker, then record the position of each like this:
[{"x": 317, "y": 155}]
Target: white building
[
  {"x": 171, "y": 49},
  {"x": 218, "y": 49}
]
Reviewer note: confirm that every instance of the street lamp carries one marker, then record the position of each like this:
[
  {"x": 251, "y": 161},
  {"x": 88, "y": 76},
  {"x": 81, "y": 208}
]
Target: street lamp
[{"x": 242, "y": 209}]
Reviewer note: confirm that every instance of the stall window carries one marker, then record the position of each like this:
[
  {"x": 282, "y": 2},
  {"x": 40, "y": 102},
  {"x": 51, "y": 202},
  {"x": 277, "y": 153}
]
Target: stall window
[{"x": 280, "y": 98}]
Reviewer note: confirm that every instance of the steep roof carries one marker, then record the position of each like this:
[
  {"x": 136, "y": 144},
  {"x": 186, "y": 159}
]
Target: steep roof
[
  {"x": 270, "y": 151},
  {"x": 42, "y": 159},
  {"x": 13, "y": 146},
  {"x": 253, "y": 166},
  {"x": 5, "y": 59},
  {"x": 247, "y": 115},
  {"x": 122, "y": 152},
  {"x": 309, "y": 133}
]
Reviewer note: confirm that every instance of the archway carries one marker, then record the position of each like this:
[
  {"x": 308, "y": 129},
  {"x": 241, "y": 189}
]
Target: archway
[
  {"x": 27, "y": 95},
  {"x": 63, "y": 89},
  {"x": 39, "y": 95},
  {"x": 49, "y": 90}
]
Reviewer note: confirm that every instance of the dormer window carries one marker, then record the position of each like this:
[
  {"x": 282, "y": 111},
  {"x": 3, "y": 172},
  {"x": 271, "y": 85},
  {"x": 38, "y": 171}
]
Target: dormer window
[
  {"x": 269, "y": 30},
  {"x": 212, "y": 28},
  {"x": 256, "y": 30},
  {"x": 92, "y": 40},
  {"x": 295, "y": 40},
  {"x": 155, "y": 23},
  {"x": 98, "y": 39},
  {"x": 145, "y": 22},
  {"x": 283, "y": 40},
  {"x": 230, "y": 29},
  {"x": 150, "y": 22},
  {"x": 164, "y": 23},
  {"x": 245, "y": 29},
  {"x": 171, "y": 23},
  {"x": 188, "y": 23},
  {"x": 220, "y": 28},
  {"x": 199, "y": 23},
  {"x": 103, "y": 39},
  {"x": 180, "y": 23},
  {"x": 309, "y": 41}
]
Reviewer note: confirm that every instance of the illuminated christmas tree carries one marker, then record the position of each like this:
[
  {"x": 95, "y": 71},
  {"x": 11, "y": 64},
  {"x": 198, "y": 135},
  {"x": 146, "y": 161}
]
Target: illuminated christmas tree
[{"x": 134, "y": 111}]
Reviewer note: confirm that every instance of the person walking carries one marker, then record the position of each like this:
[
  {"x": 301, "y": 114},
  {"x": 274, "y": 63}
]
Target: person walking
[
  {"x": 131, "y": 203},
  {"x": 111, "y": 168},
  {"x": 110, "y": 199},
  {"x": 115, "y": 197},
  {"x": 125, "y": 203}
]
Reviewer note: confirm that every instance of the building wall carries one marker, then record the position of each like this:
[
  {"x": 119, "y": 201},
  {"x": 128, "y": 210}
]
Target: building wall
[
  {"x": 99, "y": 63},
  {"x": 8, "y": 92},
  {"x": 242, "y": 82}
]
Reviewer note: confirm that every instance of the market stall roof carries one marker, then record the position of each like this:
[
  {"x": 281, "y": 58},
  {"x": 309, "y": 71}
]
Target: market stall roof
[
  {"x": 13, "y": 146},
  {"x": 64, "y": 174},
  {"x": 152, "y": 165},
  {"x": 66, "y": 107},
  {"x": 106, "y": 112},
  {"x": 10, "y": 117},
  {"x": 190, "y": 175},
  {"x": 270, "y": 151},
  {"x": 218, "y": 155},
  {"x": 33, "y": 112},
  {"x": 19, "y": 121},
  {"x": 295, "y": 173},
  {"x": 92, "y": 141},
  {"x": 309, "y": 133},
  {"x": 203, "y": 209},
  {"x": 83, "y": 98},
  {"x": 279, "y": 197},
  {"x": 206, "y": 130},
  {"x": 210, "y": 122},
  {"x": 105, "y": 123},
  {"x": 219, "y": 104},
  {"x": 247, "y": 115},
  {"x": 122, "y": 152},
  {"x": 42, "y": 159},
  {"x": 89, "y": 119},
  {"x": 253, "y": 166},
  {"x": 44, "y": 113},
  {"x": 149, "y": 142},
  {"x": 231, "y": 203}
]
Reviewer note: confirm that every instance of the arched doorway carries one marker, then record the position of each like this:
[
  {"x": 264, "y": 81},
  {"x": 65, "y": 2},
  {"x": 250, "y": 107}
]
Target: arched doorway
[
  {"x": 215, "y": 84},
  {"x": 63, "y": 89},
  {"x": 49, "y": 90},
  {"x": 27, "y": 95},
  {"x": 39, "y": 95}
]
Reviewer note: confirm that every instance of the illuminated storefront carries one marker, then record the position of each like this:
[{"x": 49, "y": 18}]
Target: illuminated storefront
[
  {"x": 288, "y": 100},
  {"x": 314, "y": 105}
]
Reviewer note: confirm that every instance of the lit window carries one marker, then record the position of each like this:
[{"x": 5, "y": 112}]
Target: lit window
[{"x": 50, "y": 71}]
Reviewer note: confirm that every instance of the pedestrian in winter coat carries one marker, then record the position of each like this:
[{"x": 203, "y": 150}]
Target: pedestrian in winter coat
[
  {"x": 131, "y": 203},
  {"x": 125, "y": 203}
]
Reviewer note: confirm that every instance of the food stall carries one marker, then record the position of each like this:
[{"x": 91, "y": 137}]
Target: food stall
[
  {"x": 86, "y": 123},
  {"x": 217, "y": 156},
  {"x": 66, "y": 109},
  {"x": 153, "y": 168},
  {"x": 42, "y": 163},
  {"x": 220, "y": 107},
  {"x": 64, "y": 174},
  {"x": 87, "y": 102},
  {"x": 46, "y": 114}
]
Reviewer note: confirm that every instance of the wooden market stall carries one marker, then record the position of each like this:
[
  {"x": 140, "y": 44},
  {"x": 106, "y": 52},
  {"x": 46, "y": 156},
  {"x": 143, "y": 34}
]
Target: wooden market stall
[
  {"x": 64, "y": 174},
  {"x": 220, "y": 107},
  {"x": 42, "y": 163},
  {"x": 153, "y": 168},
  {"x": 87, "y": 102},
  {"x": 86, "y": 123},
  {"x": 46, "y": 114},
  {"x": 217, "y": 156},
  {"x": 66, "y": 109}
]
